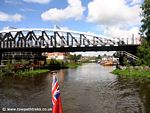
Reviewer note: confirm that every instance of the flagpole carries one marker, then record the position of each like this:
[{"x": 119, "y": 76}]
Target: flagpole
[
  {"x": 52, "y": 74},
  {"x": 56, "y": 100}
]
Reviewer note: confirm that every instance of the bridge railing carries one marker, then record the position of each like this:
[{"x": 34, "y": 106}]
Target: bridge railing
[{"x": 129, "y": 55}]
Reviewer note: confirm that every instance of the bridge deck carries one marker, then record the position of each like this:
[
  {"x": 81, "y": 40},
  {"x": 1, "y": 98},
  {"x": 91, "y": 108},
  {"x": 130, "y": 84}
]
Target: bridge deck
[{"x": 73, "y": 49}]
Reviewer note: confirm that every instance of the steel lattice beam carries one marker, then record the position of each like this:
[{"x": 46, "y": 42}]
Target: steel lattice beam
[{"x": 58, "y": 40}]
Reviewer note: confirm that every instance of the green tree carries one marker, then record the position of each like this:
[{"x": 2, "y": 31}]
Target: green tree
[
  {"x": 145, "y": 27},
  {"x": 99, "y": 57},
  {"x": 144, "y": 53},
  {"x": 144, "y": 49},
  {"x": 74, "y": 57}
]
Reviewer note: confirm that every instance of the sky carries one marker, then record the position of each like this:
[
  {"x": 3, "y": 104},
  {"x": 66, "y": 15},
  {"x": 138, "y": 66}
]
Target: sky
[{"x": 112, "y": 18}]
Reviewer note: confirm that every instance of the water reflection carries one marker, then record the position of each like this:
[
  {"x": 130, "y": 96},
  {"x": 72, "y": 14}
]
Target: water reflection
[
  {"x": 87, "y": 89},
  {"x": 61, "y": 75}
]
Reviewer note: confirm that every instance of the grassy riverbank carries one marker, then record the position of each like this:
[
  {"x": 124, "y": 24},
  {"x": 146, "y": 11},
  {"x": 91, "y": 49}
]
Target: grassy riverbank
[
  {"x": 73, "y": 64},
  {"x": 132, "y": 72},
  {"x": 31, "y": 72},
  {"x": 27, "y": 73},
  {"x": 60, "y": 64}
]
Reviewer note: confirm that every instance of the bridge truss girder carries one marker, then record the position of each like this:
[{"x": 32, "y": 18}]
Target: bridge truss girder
[
  {"x": 57, "y": 41},
  {"x": 31, "y": 39}
]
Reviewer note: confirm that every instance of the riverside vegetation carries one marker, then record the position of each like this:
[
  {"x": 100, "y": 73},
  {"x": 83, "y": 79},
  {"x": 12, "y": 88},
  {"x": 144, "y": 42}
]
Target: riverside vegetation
[
  {"x": 133, "y": 72},
  {"x": 24, "y": 68}
]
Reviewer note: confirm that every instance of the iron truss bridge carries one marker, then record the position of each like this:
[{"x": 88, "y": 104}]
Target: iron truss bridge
[{"x": 55, "y": 40}]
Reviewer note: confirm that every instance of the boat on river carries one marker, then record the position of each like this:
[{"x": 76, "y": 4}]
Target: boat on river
[{"x": 108, "y": 63}]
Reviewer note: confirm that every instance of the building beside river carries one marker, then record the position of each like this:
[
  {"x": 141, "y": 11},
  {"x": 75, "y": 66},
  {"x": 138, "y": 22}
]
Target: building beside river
[{"x": 56, "y": 55}]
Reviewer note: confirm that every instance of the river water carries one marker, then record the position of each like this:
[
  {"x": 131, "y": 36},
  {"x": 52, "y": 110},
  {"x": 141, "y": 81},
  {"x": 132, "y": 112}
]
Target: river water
[{"x": 89, "y": 88}]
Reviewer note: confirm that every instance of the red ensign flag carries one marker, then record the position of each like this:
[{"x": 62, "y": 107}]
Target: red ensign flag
[{"x": 56, "y": 101}]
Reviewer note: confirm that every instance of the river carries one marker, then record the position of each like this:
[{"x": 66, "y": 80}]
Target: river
[{"x": 90, "y": 88}]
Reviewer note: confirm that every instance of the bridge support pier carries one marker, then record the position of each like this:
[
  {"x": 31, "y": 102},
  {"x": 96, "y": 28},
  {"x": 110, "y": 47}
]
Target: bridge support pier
[
  {"x": 1, "y": 58},
  {"x": 121, "y": 61}
]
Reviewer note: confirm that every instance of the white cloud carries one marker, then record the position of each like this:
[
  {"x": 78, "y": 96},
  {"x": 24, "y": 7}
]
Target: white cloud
[
  {"x": 73, "y": 10},
  {"x": 123, "y": 34},
  {"x": 7, "y": 17},
  {"x": 116, "y": 18},
  {"x": 5, "y": 28},
  {"x": 115, "y": 31},
  {"x": 112, "y": 12},
  {"x": 27, "y": 10},
  {"x": 38, "y": 1},
  {"x": 8, "y": 28},
  {"x": 13, "y": 2}
]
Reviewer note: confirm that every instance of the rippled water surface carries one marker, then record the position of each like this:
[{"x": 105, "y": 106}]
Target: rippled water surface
[{"x": 90, "y": 88}]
